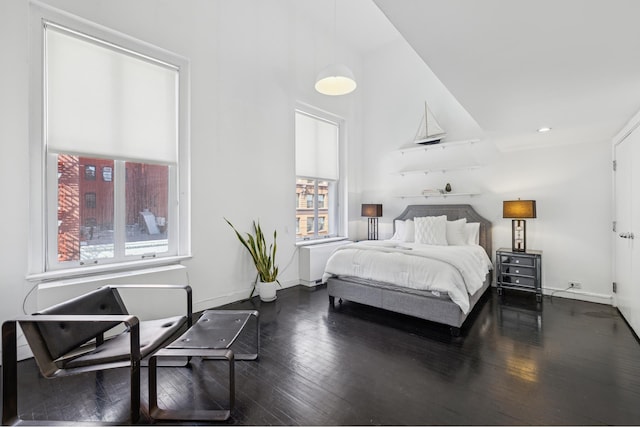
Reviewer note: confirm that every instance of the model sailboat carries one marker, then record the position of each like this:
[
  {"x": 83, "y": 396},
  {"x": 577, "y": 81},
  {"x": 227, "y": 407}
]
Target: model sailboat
[{"x": 429, "y": 131}]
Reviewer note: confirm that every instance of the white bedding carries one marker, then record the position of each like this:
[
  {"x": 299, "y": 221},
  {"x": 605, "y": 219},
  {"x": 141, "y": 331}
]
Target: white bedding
[{"x": 458, "y": 271}]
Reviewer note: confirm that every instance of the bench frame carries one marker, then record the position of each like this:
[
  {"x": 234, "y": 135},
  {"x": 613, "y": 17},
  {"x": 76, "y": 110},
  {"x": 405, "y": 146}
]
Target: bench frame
[
  {"x": 217, "y": 350},
  {"x": 47, "y": 364}
]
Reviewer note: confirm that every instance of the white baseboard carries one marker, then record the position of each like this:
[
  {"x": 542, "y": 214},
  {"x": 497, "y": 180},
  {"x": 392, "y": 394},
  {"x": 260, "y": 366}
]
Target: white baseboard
[
  {"x": 579, "y": 294},
  {"x": 289, "y": 283},
  {"x": 235, "y": 296},
  {"x": 221, "y": 300}
]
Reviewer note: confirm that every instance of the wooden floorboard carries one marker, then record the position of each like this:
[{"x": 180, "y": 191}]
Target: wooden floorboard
[{"x": 570, "y": 363}]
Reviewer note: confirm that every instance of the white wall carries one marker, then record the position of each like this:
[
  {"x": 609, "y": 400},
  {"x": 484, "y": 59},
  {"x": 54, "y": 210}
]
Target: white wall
[
  {"x": 251, "y": 61},
  {"x": 14, "y": 155},
  {"x": 571, "y": 183}
]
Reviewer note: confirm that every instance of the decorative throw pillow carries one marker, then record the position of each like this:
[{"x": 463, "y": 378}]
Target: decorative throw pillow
[
  {"x": 472, "y": 230},
  {"x": 456, "y": 232},
  {"x": 431, "y": 230},
  {"x": 409, "y": 231},
  {"x": 399, "y": 234}
]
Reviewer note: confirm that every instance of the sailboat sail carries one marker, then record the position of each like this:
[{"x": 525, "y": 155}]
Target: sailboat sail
[{"x": 429, "y": 131}]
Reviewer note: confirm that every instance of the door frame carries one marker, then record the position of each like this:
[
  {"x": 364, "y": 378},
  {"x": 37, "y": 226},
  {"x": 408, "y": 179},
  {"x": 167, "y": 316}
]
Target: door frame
[{"x": 628, "y": 129}]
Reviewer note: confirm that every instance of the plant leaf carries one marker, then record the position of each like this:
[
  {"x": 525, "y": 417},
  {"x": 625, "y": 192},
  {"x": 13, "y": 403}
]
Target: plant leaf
[{"x": 263, "y": 256}]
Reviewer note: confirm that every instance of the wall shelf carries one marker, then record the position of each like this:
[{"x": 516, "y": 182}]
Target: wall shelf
[
  {"x": 440, "y": 146},
  {"x": 444, "y": 196},
  {"x": 428, "y": 172},
  {"x": 442, "y": 170}
]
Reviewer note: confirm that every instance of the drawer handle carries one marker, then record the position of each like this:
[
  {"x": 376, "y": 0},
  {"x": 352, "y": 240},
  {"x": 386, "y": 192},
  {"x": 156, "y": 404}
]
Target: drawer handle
[
  {"x": 517, "y": 271},
  {"x": 517, "y": 261},
  {"x": 517, "y": 280}
]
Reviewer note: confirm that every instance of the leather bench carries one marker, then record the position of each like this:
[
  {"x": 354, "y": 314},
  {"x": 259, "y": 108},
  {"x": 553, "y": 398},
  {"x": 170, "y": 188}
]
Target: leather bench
[
  {"x": 211, "y": 338},
  {"x": 69, "y": 338}
]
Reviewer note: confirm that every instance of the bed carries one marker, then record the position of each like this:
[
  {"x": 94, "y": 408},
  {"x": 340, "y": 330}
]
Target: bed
[{"x": 434, "y": 303}]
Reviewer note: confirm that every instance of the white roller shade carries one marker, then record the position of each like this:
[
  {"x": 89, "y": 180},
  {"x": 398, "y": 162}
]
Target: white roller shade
[
  {"x": 316, "y": 148},
  {"x": 107, "y": 102}
]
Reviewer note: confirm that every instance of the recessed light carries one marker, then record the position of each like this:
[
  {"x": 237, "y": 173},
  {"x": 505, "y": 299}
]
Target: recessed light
[{"x": 545, "y": 129}]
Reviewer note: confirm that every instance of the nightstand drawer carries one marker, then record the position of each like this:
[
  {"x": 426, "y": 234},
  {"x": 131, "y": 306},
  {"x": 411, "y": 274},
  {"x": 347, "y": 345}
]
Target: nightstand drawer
[
  {"x": 518, "y": 270},
  {"x": 517, "y": 260},
  {"x": 529, "y": 282}
]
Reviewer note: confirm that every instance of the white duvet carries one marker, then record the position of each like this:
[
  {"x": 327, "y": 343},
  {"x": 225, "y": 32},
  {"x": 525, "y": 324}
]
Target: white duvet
[{"x": 458, "y": 271}]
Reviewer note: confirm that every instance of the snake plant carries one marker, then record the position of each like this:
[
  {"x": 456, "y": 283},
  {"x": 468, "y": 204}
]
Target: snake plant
[{"x": 264, "y": 258}]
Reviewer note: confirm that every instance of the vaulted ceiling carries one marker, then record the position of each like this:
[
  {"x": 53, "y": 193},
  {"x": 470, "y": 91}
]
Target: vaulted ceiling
[{"x": 518, "y": 65}]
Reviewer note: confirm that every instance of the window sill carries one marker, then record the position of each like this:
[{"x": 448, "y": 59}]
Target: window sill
[
  {"x": 121, "y": 268},
  {"x": 320, "y": 241}
]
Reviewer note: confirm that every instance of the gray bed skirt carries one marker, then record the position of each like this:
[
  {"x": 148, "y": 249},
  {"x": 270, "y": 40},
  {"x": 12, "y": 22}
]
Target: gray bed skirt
[{"x": 421, "y": 304}]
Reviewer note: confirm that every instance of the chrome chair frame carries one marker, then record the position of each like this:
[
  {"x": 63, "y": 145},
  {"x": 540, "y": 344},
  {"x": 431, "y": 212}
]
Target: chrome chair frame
[{"x": 47, "y": 363}]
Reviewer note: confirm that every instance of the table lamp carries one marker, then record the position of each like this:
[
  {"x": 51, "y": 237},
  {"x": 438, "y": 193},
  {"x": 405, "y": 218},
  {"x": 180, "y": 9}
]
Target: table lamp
[
  {"x": 519, "y": 210},
  {"x": 373, "y": 212}
]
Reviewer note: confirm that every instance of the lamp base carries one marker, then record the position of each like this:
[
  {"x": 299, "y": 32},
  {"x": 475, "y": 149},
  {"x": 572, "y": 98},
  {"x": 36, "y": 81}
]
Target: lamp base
[
  {"x": 518, "y": 235},
  {"x": 372, "y": 229}
]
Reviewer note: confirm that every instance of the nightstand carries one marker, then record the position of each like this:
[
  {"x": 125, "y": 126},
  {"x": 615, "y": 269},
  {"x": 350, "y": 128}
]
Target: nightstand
[{"x": 519, "y": 270}]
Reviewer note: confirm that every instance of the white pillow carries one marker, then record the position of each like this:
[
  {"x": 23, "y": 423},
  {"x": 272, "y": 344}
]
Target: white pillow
[
  {"x": 472, "y": 230},
  {"x": 399, "y": 234},
  {"x": 431, "y": 230},
  {"x": 409, "y": 231},
  {"x": 456, "y": 233}
]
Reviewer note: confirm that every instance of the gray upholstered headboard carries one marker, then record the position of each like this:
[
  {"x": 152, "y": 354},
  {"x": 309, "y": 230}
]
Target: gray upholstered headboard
[{"x": 452, "y": 212}]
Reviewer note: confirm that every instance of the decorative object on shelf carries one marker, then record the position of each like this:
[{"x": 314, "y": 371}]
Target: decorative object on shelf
[
  {"x": 432, "y": 192},
  {"x": 447, "y": 188},
  {"x": 518, "y": 210},
  {"x": 264, "y": 259},
  {"x": 335, "y": 79},
  {"x": 373, "y": 212},
  {"x": 429, "y": 131}
]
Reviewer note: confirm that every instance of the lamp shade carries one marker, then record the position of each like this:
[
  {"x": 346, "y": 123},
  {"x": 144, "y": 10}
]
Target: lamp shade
[
  {"x": 372, "y": 211},
  {"x": 519, "y": 209},
  {"x": 336, "y": 79}
]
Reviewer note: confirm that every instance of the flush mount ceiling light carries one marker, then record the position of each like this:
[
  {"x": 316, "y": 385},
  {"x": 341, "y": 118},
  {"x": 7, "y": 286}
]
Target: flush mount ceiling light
[
  {"x": 544, "y": 129},
  {"x": 335, "y": 79}
]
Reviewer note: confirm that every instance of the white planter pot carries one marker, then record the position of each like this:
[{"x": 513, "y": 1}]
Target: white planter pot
[{"x": 267, "y": 291}]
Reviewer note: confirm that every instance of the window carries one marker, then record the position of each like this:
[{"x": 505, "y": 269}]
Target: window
[
  {"x": 107, "y": 173},
  {"x": 317, "y": 147},
  {"x": 90, "y": 173},
  {"x": 321, "y": 224},
  {"x": 114, "y": 105},
  {"x": 90, "y": 200}
]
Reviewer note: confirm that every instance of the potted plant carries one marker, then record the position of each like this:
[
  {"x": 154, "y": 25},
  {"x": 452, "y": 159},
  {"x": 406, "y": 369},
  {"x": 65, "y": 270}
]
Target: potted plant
[{"x": 264, "y": 259}]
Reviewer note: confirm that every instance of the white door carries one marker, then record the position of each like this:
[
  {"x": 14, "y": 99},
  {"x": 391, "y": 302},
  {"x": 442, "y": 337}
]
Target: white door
[
  {"x": 627, "y": 209},
  {"x": 632, "y": 296}
]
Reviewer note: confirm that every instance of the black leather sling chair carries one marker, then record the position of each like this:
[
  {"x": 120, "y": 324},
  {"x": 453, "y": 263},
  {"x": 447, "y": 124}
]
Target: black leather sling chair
[{"x": 69, "y": 338}]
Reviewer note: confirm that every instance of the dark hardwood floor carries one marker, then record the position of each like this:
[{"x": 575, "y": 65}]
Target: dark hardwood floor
[{"x": 571, "y": 363}]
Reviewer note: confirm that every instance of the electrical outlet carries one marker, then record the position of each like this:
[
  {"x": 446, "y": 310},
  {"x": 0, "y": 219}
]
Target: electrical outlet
[{"x": 575, "y": 285}]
